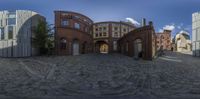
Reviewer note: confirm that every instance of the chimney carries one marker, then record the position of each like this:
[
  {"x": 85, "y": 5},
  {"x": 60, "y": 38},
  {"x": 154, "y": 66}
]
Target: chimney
[
  {"x": 150, "y": 23},
  {"x": 143, "y": 22}
]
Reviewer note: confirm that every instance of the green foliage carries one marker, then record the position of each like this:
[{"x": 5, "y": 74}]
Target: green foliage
[{"x": 41, "y": 39}]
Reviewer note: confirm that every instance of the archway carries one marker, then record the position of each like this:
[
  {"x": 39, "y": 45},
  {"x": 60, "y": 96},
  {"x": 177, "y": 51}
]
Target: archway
[
  {"x": 63, "y": 43},
  {"x": 84, "y": 48},
  {"x": 138, "y": 48},
  {"x": 75, "y": 47},
  {"x": 102, "y": 47}
]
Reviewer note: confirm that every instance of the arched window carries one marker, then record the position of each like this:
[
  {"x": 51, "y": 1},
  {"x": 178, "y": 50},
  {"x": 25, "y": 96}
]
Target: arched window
[
  {"x": 63, "y": 43},
  {"x": 127, "y": 46}
]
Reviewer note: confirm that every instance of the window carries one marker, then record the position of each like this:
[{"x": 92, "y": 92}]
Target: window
[
  {"x": 96, "y": 34},
  {"x": 6, "y": 21},
  {"x": 86, "y": 29},
  {"x": 124, "y": 30},
  {"x": 11, "y": 21},
  {"x": 63, "y": 43},
  {"x": 12, "y": 15},
  {"x": 65, "y": 14},
  {"x": 77, "y": 26},
  {"x": 104, "y": 28},
  {"x": 77, "y": 17},
  {"x": 2, "y": 33},
  {"x": 10, "y": 32},
  {"x": 115, "y": 45},
  {"x": 100, "y": 28},
  {"x": 96, "y": 29},
  {"x": 116, "y": 34},
  {"x": 11, "y": 18},
  {"x": 116, "y": 28},
  {"x": 100, "y": 34},
  {"x": 104, "y": 34},
  {"x": 65, "y": 22},
  {"x": 1, "y": 22}
]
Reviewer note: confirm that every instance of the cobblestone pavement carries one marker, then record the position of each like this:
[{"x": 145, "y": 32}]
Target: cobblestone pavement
[{"x": 98, "y": 76}]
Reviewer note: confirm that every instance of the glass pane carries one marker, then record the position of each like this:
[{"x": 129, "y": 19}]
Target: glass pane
[
  {"x": 11, "y": 21},
  {"x": 10, "y": 32},
  {"x": 77, "y": 25},
  {"x": 65, "y": 23},
  {"x": 12, "y": 15},
  {"x": 2, "y": 33}
]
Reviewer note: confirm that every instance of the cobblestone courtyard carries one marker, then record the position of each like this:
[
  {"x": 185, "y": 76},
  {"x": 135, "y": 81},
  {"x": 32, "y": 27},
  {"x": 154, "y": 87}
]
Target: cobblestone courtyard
[{"x": 97, "y": 76}]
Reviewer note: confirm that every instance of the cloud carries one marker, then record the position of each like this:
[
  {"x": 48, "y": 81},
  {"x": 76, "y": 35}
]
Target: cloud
[
  {"x": 133, "y": 21},
  {"x": 168, "y": 27},
  {"x": 184, "y": 32},
  {"x": 180, "y": 26}
]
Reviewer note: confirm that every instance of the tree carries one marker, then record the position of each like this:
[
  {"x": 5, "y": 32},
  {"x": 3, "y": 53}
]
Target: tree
[{"x": 40, "y": 38}]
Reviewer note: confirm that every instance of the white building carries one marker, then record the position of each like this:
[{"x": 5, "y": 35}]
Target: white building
[
  {"x": 183, "y": 42},
  {"x": 16, "y": 32},
  {"x": 196, "y": 33}
]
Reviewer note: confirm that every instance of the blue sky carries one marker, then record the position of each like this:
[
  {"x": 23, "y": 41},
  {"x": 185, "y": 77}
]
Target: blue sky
[{"x": 175, "y": 14}]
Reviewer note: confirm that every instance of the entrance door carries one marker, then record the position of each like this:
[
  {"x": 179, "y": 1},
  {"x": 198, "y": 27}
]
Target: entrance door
[
  {"x": 138, "y": 48},
  {"x": 75, "y": 47}
]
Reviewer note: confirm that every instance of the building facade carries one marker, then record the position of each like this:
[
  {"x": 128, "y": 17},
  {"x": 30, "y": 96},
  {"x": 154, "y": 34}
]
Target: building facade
[
  {"x": 163, "y": 40},
  {"x": 183, "y": 42},
  {"x": 77, "y": 34},
  {"x": 73, "y": 33},
  {"x": 196, "y": 34},
  {"x": 139, "y": 43},
  {"x": 16, "y": 33},
  {"x": 106, "y": 35}
]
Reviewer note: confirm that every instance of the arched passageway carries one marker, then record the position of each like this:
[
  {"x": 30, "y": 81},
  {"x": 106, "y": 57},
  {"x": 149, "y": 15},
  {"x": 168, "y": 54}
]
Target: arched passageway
[{"x": 102, "y": 47}]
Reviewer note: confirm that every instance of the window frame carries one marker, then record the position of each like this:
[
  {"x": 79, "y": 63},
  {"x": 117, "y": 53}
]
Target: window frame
[
  {"x": 77, "y": 26},
  {"x": 63, "y": 22}
]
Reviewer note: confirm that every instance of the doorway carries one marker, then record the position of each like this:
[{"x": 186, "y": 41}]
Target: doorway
[
  {"x": 75, "y": 47},
  {"x": 102, "y": 47},
  {"x": 138, "y": 48}
]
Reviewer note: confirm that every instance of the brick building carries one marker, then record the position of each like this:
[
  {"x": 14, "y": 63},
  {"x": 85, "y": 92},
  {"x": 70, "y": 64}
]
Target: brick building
[
  {"x": 139, "y": 43},
  {"x": 164, "y": 40},
  {"x": 73, "y": 33},
  {"x": 77, "y": 34}
]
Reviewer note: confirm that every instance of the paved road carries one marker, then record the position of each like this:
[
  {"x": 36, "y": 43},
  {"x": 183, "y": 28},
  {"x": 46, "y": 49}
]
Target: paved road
[{"x": 98, "y": 76}]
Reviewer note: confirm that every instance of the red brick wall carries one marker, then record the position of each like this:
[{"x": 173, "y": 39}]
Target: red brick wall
[
  {"x": 147, "y": 35},
  {"x": 70, "y": 33}
]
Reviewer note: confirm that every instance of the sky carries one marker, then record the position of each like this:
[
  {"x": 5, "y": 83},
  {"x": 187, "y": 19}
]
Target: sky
[{"x": 175, "y": 15}]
